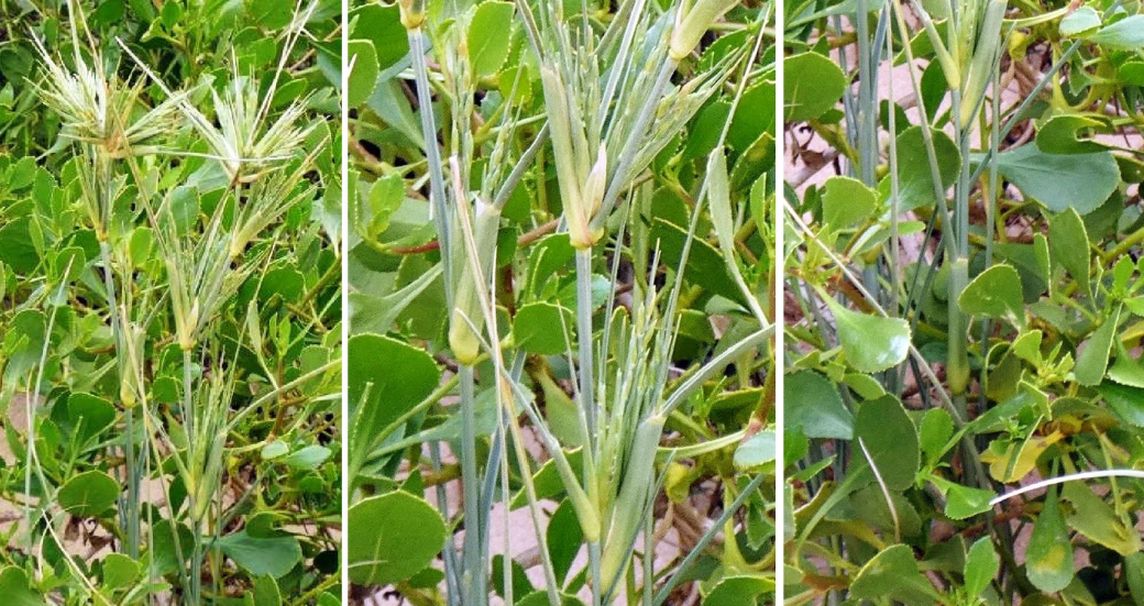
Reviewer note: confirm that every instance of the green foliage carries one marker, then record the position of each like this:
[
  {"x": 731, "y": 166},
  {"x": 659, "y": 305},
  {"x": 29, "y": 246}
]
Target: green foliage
[
  {"x": 560, "y": 252},
  {"x": 169, "y": 302},
  {"x": 963, "y": 293}
]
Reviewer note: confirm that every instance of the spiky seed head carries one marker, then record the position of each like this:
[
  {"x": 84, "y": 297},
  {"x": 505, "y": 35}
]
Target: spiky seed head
[{"x": 101, "y": 110}]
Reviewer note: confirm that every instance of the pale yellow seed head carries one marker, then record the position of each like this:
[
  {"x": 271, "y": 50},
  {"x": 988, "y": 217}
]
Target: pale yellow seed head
[
  {"x": 690, "y": 27},
  {"x": 580, "y": 217}
]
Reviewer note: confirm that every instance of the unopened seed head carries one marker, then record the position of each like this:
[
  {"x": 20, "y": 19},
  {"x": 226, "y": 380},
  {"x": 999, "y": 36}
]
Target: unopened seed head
[
  {"x": 690, "y": 27},
  {"x": 412, "y": 13},
  {"x": 581, "y": 233}
]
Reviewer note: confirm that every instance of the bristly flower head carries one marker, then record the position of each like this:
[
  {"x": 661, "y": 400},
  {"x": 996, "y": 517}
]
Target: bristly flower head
[
  {"x": 99, "y": 109},
  {"x": 245, "y": 141}
]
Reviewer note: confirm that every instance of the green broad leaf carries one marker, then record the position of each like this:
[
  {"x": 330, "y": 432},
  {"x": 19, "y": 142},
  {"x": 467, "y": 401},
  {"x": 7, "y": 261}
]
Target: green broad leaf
[
  {"x": 739, "y": 590},
  {"x": 1126, "y": 370},
  {"x": 893, "y": 574},
  {"x": 1126, "y": 34},
  {"x": 309, "y": 457},
  {"x": 995, "y": 293},
  {"x": 544, "y": 328},
  {"x": 274, "y": 449},
  {"x": 17, "y": 249},
  {"x": 1083, "y": 19},
  {"x": 395, "y": 536},
  {"x": 385, "y": 197},
  {"x": 813, "y": 403},
  {"x": 520, "y": 581},
  {"x": 381, "y": 25},
  {"x": 172, "y": 548},
  {"x": 16, "y": 588},
  {"x": 981, "y": 566},
  {"x": 915, "y": 177},
  {"x": 1131, "y": 72},
  {"x": 706, "y": 128},
  {"x": 267, "y": 13},
  {"x": 963, "y": 502},
  {"x": 374, "y": 314},
  {"x": 485, "y": 423},
  {"x": 934, "y": 432},
  {"x": 67, "y": 265},
  {"x": 489, "y": 36},
  {"x": 754, "y": 116},
  {"x": 846, "y": 202},
  {"x": 814, "y": 84},
  {"x": 890, "y": 441},
  {"x": 23, "y": 341},
  {"x": 89, "y": 494},
  {"x": 757, "y": 451},
  {"x": 1061, "y": 181},
  {"x": 561, "y": 412},
  {"x": 870, "y": 507},
  {"x": 1134, "y": 572},
  {"x": 1095, "y": 519},
  {"x": 363, "y": 72},
  {"x": 1092, "y": 360},
  {"x": 1067, "y": 238},
  {"x": 266, "y": 591},
  {"x": 1060, "y": 135},
  {"x": 1127, "y": 402},
  {"x": 870, "y": 343},
  {"x": 262, "y": 556},
  {"x": 1049, "y": 558},
  {"x": 90, "y": 415},
  {"x": 705, "y": 265},
  {"x": 386, "y": 379},
  {"x": 564, "y": 538},
  {"x": 119, "y": 571}
]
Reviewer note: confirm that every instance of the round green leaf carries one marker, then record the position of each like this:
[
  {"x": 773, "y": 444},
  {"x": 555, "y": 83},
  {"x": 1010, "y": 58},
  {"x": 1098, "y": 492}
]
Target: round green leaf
[
  {"x": 489, "y": 36},
  {"x": 890, "y": 440},
  {"x": 813, "y": 85},
  {"x": 386, "y": 379},
  {"x": 395, "y": 536},
  {"x": 1061, "y": 181},
  {"x": 16, "y": 589},
  {"x": 994, "y": 293},
  {"x": 1060, "y": 135},
  {"x": 846, "y": 202},
  {"x": 541, "y": 328},
  {"x": 363, "y": 72},
  {"x": 894, "y": 574},
  {"x": 381, "y": 25},
  {"x": 120, "y": 571},
  {"x": 915, "y": 177},
  {"x": 756, "y": 451},
  {"x": 870, "y": 343},
  {"x": 1081, "y": 20},
  {"x": 1126, "y": 34},
  {"x": 962, "y": 502},
  {"x": 261, "y": 556},
  {"x": 812, "y": 402},
  {"x": 89, "y": 494}
]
